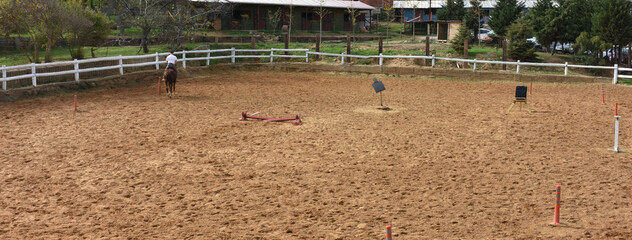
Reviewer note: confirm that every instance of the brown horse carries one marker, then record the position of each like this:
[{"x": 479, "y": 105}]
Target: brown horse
[{"x": 170, "y": 76}]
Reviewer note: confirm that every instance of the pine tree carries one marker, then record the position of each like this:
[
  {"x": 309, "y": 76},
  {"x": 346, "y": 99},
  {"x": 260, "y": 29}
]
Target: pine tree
[
  {"x": 473, "y": 17},
  {"x": 452, "y": 10},
  {"x": 612, "y": 22},
  {"x": 458, "y": 42},
  {"x": 519, "y": 48},
  {"x": 504, "y": 14}
]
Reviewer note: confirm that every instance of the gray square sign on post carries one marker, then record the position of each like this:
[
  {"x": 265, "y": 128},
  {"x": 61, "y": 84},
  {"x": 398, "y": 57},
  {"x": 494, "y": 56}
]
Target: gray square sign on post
[{"x": 378, "y": 86}]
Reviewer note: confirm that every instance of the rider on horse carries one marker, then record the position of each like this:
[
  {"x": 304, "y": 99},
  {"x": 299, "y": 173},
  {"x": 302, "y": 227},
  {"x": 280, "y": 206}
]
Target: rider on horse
[{"x": 172, "y": 62}]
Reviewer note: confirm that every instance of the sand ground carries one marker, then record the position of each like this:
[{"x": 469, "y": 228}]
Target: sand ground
[{"x": 447, "y": 162}]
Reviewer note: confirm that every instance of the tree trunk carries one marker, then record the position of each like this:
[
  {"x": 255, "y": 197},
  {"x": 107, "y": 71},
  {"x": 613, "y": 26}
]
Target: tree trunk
[
  {"x": 553, "y": 48},
  {"x": 47, "y": 56},
  {"x": 143, "y": 41}
]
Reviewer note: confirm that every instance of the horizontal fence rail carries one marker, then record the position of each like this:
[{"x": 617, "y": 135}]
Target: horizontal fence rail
[{"x": 80, "y": 69}]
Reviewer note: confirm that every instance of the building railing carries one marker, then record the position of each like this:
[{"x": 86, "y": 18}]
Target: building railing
[{"x": 78, "y": 69}]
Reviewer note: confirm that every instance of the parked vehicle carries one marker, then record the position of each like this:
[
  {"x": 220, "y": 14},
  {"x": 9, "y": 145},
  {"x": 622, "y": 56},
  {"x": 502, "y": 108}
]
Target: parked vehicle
[{"x": 485, "y": 35}]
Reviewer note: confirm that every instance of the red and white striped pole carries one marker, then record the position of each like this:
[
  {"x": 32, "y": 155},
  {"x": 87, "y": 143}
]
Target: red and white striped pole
[
  {"x": 75, "y": 102},
  {"x": 531, "y": 88},
  {"x": 388, "y": 233},
  {"x": 603, "y": 94},
  {"x": 556, "y": 217}
]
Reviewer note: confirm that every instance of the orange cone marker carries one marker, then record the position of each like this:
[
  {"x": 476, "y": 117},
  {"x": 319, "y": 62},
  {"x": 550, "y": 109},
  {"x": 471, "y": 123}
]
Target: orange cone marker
[{"x": 556, "y": 217}]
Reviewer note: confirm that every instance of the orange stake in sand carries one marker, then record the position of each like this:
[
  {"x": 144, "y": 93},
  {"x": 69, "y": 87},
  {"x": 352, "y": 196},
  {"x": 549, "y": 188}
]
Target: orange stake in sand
[
  {"x": 75, "y": 102},
  {"x": 388, "y": 233},
  {"x": 531, "y": 88},
  {"x": 556, "y": 217}
]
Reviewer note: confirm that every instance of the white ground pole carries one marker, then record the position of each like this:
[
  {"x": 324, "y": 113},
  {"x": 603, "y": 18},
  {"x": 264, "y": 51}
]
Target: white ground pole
[{"x": 616, "y": 136}]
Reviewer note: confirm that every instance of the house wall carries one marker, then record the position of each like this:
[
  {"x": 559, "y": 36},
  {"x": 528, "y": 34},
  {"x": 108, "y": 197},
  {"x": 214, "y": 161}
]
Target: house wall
[{"x": 255, "y": 17}]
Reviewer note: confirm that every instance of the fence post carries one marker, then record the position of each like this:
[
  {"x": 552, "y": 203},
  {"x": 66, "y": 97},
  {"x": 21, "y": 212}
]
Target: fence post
[
  {"x": 381, "y": 59},
  {"x": 307, "y": 56},
  {"x": 433, "y": 60},
  {"x": 474, "y": 68},
  {"x": 232, "y": 55},
  {"x": 157, "y": 61},
  {"x": 4, "y": 77},
  {"x": 33, "y": 71},
  {"x": 518, "y": 66},
  {"x": 121, "y": 64},
  {"x": 271, "y": 54},
  {"x": 208, "y": 58},
  {"x": 616, "y": 74},
  {"x": 565, "y": 68},
  {"x": 184, "y": 59},
  {"x": 76, "y": 70}
]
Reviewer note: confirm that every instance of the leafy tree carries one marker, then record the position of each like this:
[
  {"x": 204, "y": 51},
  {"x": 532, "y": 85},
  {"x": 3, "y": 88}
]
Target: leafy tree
[
  {"x": 612, "y": 22},
  {"x": 458, "y": 42},
  {"x": 452, "y": 10},
  {"x": 39, "y": 20},
  {"x": 504, "y": 14},
  {"x": 87, "y": 27},
  {"x": 519, "y": 48},
  {"x": 588, "y": 44}
]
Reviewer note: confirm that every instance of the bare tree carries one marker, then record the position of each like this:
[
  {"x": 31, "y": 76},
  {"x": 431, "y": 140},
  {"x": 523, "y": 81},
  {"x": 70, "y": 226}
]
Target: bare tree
[
  {"x": 321, "y": 12},
  {"x": 388, "y": 8},
  {"x": 145, "y": 14},
  {"x": 353, "y": 14},
  {"x": 274, "y": 17},
  {"x": 289, "y": 31},
  {"x": 184, "y": 18}
]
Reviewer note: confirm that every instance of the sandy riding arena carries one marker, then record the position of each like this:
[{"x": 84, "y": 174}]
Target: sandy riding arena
[{"x": 447, "y": 162}]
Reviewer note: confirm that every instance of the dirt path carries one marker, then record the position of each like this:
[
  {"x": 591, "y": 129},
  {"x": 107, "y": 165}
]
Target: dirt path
[{"x": 448, "y": 162}]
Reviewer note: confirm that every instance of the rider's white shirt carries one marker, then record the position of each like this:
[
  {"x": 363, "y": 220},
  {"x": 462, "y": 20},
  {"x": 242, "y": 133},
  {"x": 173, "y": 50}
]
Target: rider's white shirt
[{"x": 172, "y": 59}]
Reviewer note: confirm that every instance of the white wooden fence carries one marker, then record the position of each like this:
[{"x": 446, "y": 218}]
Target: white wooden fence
[{"x": 157, "y": 59}]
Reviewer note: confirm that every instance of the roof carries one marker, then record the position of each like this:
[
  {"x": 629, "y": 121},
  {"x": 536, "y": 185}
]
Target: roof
[
  {"x": 423, "y": 4},
  {"x": 300, "y": 3}
]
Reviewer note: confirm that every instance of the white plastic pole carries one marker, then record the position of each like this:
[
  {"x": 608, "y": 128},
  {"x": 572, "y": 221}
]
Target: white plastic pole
[
  {"x": 381, "y": 59},
  {"x": 474, "y": 68},
  {"x": 232, "y": 54},
  {"x": 157, "y": 61},
  {"x": 616, "y": 74},
  {"x": 433, "y": 60},
  {"x": 76, "y": 70},
  {"x": 518, "y": 67},
  {"x": 208, "y": 58},
  {"x": 307, "y": 56},
  {"x": 33, "y": 71},
  {"x": 121, "y": 64},
  {"x": 271, "y": 54},
  {"x": 616, "y": 135},
  {"x": 566, "y": 69},
  {"x": 4, "y": 77},
  {"x": 184, "y": 59},
  {"x": 343, "y": 58}
]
